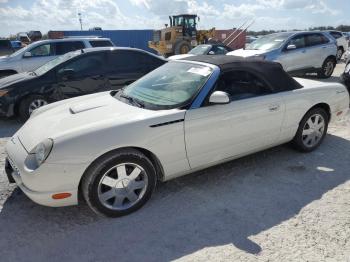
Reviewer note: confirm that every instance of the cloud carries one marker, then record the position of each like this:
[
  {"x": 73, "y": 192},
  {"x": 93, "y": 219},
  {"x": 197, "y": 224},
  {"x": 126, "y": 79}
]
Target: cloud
[
  {"x": 141, "y": 3},
  {"x": 315, "y": 6},
  {"x": 242, "y": 11},
  {"x": 203, "y": 9},
  {"x": 321, "y": 7},
  {"x": 163, "y": 8},
  {"x": 47, "y": 15}
]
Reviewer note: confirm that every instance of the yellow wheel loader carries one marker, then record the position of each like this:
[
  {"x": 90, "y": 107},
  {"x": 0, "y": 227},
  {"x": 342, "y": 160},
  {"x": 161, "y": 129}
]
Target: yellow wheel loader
[{"x": 180, "y": 36}]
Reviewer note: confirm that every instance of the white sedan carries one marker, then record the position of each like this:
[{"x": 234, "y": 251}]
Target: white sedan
[{"x": 113, "y": 147}]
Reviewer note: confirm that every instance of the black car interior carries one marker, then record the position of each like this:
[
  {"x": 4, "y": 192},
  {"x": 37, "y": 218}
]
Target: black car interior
[{"x": 241, "y": 85}]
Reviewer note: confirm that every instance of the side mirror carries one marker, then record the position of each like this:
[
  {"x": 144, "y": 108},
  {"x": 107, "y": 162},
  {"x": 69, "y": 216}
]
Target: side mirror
[
  {"x": 66, "y": 74},
  {"x": 211, "y": 53},
  {"x": 219, "y": 97},
  {"x": 27, "y": 54},
  {"x": 291, "y": 47}
]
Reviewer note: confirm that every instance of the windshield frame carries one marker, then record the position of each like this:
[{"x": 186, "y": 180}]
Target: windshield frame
[
  {"x": 184, "y": 105},
  {"x": 71, "y": 55},
  {"x": 201, "y": 47}
]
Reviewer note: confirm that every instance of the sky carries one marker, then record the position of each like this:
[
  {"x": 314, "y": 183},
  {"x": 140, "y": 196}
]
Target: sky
[{"x": 44, "y": 15}]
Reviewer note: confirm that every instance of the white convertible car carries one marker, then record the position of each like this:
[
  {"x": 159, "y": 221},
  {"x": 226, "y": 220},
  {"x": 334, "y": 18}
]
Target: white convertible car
[{"x": 113, "y": 147}]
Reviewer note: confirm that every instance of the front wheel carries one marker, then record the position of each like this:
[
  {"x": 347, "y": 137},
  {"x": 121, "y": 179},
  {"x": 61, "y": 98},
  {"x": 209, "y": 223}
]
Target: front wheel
[
  {"x": 29, "y": 104},
  {"x": 312, "y": 130},
  {"x": 119, "y": 183},
  {"x": 327, "y": 68}
]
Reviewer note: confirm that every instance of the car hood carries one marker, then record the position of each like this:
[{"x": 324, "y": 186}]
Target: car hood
[
  {"x": 16, "y": 78},
  {"x": 247, "y": 53},
  {"x": 4, "y": 58},
  {"x": 78, "y": 116},
  {"x": 176, "y": 57}
]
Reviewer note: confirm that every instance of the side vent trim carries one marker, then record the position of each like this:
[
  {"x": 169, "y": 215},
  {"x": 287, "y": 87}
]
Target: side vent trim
[{"x": 168, "y": 123}]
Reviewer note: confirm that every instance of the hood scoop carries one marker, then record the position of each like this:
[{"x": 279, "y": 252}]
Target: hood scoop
[{"x": 83, "y": 108}]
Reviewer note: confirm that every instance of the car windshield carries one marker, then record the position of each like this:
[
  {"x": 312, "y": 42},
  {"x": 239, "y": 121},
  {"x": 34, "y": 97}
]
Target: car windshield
[
  {"x": 170, "y": 86},
  {"x": 200, "y": 50},
  {"x": 53, "y": 63},
  {"x": 269, "y": 42}
]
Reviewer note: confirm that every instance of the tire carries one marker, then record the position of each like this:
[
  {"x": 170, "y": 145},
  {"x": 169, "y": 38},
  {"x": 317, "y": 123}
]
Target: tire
[
  {"x": 327, "y": 68},
  {"x": 308, "y": 130},
  {"x": 182, "y": 47},
  {"x": 29, "y": 104},
  {"x": 340, "y": 53},
  {"x": 108, "y": 189}
]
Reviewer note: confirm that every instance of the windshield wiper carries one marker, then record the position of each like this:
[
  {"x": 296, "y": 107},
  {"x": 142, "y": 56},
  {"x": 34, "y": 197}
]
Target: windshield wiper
[{"x": 132, "y": 100}]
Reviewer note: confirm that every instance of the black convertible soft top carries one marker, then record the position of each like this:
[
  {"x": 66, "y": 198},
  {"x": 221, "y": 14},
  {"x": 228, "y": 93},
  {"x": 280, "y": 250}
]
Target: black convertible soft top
[{"x": 272, "y": 72}]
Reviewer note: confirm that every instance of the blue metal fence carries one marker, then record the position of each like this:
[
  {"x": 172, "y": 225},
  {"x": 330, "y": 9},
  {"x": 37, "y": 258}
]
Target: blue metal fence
[{"x": 124, "y": 38}]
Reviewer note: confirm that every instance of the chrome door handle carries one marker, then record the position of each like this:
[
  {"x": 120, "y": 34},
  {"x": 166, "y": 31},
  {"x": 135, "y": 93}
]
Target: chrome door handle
[{"x": 274, "y": 108}]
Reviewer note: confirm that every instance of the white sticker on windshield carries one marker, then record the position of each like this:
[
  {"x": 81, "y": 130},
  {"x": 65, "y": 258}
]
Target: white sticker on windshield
[{"x": 203, "y": 71}]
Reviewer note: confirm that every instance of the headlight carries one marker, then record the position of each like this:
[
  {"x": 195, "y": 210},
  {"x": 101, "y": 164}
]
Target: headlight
[
  {"x": 42, "y": 151},
  {"x": 262, "y": 57},
  {"x": 3, "y": 92}
]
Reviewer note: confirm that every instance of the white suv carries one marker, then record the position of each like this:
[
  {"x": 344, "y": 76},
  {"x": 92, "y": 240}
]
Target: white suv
[
  {"x": 38, "y": 53},
  {"x": 342, "y": 43}
]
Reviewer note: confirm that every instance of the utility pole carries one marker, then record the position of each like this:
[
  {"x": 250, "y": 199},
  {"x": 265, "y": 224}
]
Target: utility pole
[{"x": 80, "y": 21}]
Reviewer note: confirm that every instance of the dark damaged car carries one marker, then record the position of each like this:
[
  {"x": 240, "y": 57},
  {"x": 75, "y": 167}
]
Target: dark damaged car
[{"x": 74, "y": 74}]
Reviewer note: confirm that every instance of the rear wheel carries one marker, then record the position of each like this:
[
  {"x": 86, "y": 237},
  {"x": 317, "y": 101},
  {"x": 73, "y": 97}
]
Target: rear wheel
[
  {"x": 312, "y": 130},
  {"x": 119, "y": 183},
  {"x": 29, "y": 104},
  {"x": 327, "y": 68}
]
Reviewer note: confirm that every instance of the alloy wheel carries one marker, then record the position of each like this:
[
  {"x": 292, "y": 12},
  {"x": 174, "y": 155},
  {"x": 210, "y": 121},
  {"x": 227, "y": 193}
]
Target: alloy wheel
[
  {"x": 313, "y": 130},
  {"x": 122, "y": 186},
  {"x": 328, "y": 70},
  {"x": 35, "y": 104}
]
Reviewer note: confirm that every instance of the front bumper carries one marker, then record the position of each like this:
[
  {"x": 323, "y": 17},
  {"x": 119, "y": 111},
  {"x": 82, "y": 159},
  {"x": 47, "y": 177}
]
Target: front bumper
[
  {"x": 345, "y": 78},
  {"x": 6, "y": 107},
  {"x": 9, "y": 170},
  {"x": 34, "y": 184}
]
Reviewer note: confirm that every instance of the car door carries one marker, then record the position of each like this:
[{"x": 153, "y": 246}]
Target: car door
[
  {"x": 126, "y": 66},
  {"x": 37, "y": 56},
  {"x": 294, "y": 55},
  {"x": 317, "y": 49},
  {"x": 83, "y": 75},
  {"x": 251, "y": 121}
]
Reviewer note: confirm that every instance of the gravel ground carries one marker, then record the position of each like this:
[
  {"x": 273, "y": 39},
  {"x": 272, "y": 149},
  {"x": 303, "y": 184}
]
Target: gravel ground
[{"x": 277, "y": 205}]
